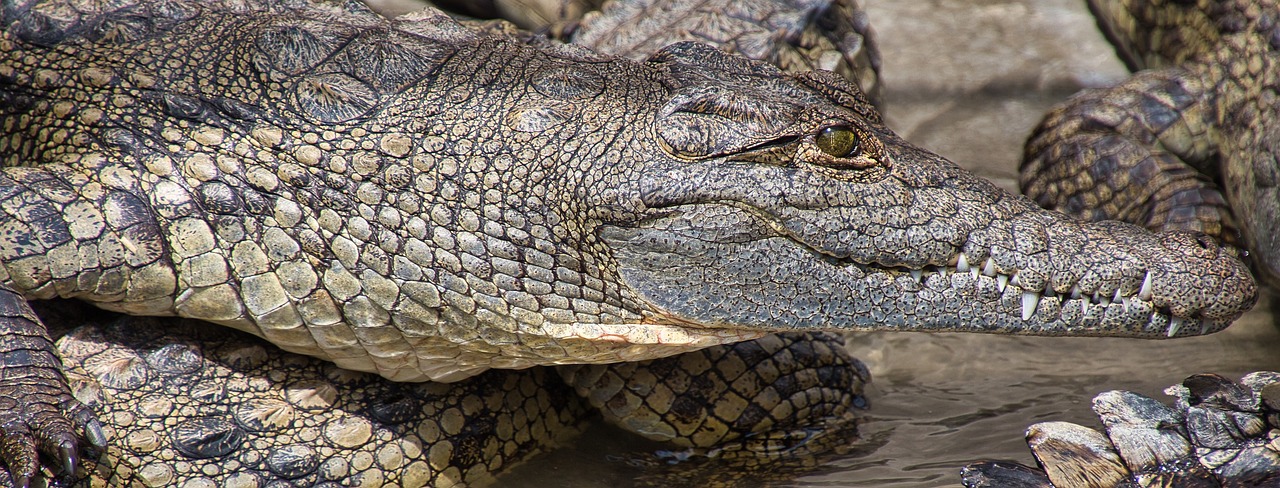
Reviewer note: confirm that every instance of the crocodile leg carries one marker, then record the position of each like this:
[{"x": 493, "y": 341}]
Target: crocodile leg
[
  {"x": 531, "y": 15},
  {"x": 61, "y": 242},
  {"x": 832, "y": 35},
  {"x": 1188, "y": 145},
  {"x": 789, "y": 395},
  {"x": 1121, "y": 154}
]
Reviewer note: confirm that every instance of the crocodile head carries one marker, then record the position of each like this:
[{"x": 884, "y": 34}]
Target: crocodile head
[{"x": 787, "y": 204}]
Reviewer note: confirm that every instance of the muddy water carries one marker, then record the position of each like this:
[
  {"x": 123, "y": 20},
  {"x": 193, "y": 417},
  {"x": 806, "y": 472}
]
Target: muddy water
[{"x": 968, "y": 79}]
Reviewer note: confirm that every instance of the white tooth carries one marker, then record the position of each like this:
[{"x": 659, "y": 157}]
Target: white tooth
[
  {"x": 973, "y": 272},
  {"x": 917, "y": 275},
  {"x": 962, "y": 264},
  {"x": 1103, "y": 300},
  {"x": 1014, "y": 280},
  {"x": 1001, "y": 282},
  {"x": 1049, "y": 292},
  {"x": 1084, "y": 307},
  {"x": 1118, "y": 297},
  {"x": 1145, "y": 292},
  {"x": 942, "y": 271},
  {"x": 1075, "y": 292},
  {"x": 1029, "y": 301},
  {"x": 989, "y": 268},
  {"x": 1174, "y": 324},
  {"x": 1204, "y": 327}
]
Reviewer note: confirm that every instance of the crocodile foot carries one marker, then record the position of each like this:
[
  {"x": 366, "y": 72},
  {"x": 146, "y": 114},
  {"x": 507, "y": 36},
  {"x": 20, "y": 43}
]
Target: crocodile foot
[
  {"x": 38, "y": 415},
  {"x": 1217, "y": 433}
]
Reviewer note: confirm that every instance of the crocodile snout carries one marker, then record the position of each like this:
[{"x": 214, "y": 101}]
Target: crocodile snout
[{"x": 928, "y": 247}]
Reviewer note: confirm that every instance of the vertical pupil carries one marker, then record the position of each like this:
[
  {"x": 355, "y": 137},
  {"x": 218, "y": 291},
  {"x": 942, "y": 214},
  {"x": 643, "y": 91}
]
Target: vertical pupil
[{"x": 837, "y": 141}]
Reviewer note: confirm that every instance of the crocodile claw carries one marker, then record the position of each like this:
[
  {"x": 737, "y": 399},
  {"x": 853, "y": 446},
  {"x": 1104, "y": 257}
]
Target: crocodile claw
[
  {"x": 69, "y": 458},
  {"x": 32, "y": 426}
]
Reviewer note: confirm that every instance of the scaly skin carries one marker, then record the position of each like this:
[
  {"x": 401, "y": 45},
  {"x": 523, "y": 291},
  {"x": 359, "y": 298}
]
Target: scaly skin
[
  {"x": 1150, "y": 150},
  {"x": 424, "y": 201},
  {"x": 186, "y": 404}
]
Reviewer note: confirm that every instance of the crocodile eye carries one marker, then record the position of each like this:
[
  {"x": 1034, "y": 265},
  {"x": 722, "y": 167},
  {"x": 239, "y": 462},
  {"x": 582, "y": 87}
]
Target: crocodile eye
[{"x": 838, "y": 141}]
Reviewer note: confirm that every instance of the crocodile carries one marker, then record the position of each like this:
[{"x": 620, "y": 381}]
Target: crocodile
[
  {"x": 425, "y": 200},
  {"x": 1190, "y": 144}
]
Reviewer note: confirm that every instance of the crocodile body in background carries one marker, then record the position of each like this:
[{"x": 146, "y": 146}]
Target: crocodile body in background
[
  {"x": 795, "y": 35},
  {"x": 1153, "y": 151},
  {"x": 455, "y": 201}
]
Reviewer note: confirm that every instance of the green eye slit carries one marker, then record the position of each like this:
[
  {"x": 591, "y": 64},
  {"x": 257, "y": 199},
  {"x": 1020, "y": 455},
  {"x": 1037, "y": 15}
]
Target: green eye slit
[{"x": 838, "y": 141}]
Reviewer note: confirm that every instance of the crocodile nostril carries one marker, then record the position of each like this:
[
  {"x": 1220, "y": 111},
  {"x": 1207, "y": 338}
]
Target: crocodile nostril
[
  {"x": 1194, "y": 244},
  {"x": 1207, "y": 243}
]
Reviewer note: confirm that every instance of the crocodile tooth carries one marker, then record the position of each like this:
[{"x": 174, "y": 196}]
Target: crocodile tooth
[
  {"x": 1204, "y": 327},
  {"x": 962, "y": 265},
  {"x": 1013, "y": 280},
  {"x": 1002, "y": 281},
  {"x": 1174, "y": 325},
  {"x": 1145, "y": 292},
  {"x": 1075, "y": 292},
  {"x": 1084, "y": 307},
  {"x": 917, "y": 275},
  {"x": 989, "y": 268},
  {"x": 1118, "y": 297},
  {"x": 942, "y": 271},
  {"x": 1098, "y": 297},
  {"x": 1029, "y": 301},
  {"x": 1050, "y": 293}
]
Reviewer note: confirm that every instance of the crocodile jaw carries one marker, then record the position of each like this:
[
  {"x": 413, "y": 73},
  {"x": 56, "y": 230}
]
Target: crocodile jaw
[
  {"x": 695, "y": 275},
  {"x": 930, "y": 248}
]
